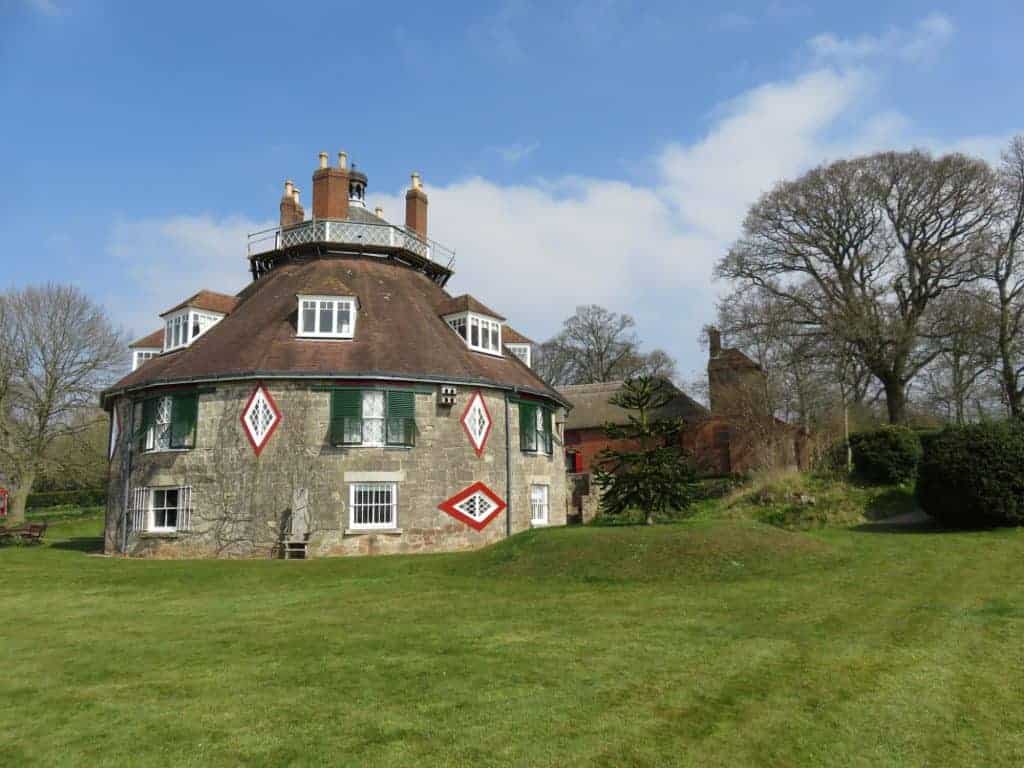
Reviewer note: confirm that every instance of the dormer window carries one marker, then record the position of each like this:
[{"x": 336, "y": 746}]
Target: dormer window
[
  {"x": 481, "y": 334},
  {"x": 522, "y": 351},
  {"x": 184, "y": 327},
  {"x": 327, "y": 317},
  {"x": 141, "y": 355}
]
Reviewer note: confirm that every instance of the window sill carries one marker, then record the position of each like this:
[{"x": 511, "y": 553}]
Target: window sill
[
  {"x": 364, "y": 531},
  {"x": 152, "y": 451},
  {"x": 159, "y": 534},
  {"x": 388, "y": 447},
  {"x": 312, "y": 337},
  {"x": 536, "y": 524}
]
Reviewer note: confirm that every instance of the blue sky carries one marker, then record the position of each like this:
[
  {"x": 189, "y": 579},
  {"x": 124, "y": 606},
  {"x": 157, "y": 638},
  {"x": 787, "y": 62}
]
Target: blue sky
[{"x": 573, "y": 152}]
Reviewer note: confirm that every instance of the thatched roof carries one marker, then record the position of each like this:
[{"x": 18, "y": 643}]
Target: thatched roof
[{"x": 590, "y": 406}]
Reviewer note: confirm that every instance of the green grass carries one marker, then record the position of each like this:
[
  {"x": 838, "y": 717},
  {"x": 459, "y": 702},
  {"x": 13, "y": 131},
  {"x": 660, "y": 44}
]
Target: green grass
[{"x": 716, "y": 642}]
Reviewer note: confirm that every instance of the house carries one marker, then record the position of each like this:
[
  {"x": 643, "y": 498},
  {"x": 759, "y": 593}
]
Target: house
[
  {"x": 736, "y": 435},
  {"x": 343, "y": 402}
]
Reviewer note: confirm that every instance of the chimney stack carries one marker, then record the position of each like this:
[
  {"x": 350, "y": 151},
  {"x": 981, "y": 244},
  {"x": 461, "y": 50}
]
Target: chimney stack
[
  {"x": 714, "y": 341},
  {"x": 416, "y": 207},
  {"x": 291, "y": 211},
  {"x": 330, "y": 189}
]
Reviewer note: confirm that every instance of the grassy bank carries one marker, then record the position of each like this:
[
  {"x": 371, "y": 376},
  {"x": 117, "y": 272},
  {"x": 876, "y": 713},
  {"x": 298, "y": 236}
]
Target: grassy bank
[{"x": 716, "y": 642}]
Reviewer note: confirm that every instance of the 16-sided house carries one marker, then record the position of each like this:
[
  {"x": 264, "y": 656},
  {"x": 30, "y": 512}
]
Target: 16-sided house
[{"x": 342, "y": 403}]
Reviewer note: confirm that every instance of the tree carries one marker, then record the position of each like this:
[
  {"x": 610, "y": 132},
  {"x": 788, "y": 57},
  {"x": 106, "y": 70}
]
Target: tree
[
  {"x": 1003, "y": 266},
  {"x": 653, "y": 475},
  {"x": 57, "y": 351},
  {"x": 596, "y": 345},
  {"x": 860, "y": 249}
]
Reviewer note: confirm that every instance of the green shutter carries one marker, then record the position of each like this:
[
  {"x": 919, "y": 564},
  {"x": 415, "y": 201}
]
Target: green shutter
[
  {"x": 148, "y": 420},
  {"x": 401, "y": 416},
  {"x": 345, "y": 404},
  {"x": 184, "y": 411},
  {"x": 527, "y": 426},
  {"x": 546, "y": 420}
]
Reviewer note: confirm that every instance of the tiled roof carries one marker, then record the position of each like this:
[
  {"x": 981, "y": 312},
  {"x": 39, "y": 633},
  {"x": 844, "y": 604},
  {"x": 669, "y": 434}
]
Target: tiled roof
[
  {"x": 399, "y": 334},
  {"x": 466, "y": 303},
  {"x": 211, "y": 301},
  {"x": 510, "y": 335},
  {"x": 155, "y": 340},
  {"x": 590, "y": 406}
]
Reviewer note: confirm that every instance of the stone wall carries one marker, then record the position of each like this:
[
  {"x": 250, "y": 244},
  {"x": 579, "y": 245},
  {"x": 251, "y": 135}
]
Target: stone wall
[{"x": 241, "y": 502}]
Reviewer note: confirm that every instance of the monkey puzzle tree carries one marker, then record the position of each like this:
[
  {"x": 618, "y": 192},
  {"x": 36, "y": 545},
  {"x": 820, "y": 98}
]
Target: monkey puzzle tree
[{"x": 648, "y": 471}]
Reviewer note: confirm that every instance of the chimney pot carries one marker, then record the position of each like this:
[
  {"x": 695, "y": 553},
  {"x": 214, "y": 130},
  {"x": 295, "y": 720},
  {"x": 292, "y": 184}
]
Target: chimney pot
[
  {"x": 295, "y": 195},
  {"x": 379, "y": 211},
  {"x": 288, "y": 184},
  {"x": 343, "y": 159},
  {"x": 415, "y": 180},
  {"x": 323, "y": 159}
]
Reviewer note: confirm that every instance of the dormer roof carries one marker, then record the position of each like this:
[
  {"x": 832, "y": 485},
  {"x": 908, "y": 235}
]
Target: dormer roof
[
  {"x": 208, "y": 301},
  {"x": 155, "y": 340},
  {"x": 466, "y": 303},
  {"x": 510, "y": 335}
]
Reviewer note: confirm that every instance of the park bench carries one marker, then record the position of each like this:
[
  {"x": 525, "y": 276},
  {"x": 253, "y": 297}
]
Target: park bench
[{"x": 28, "y": 534}]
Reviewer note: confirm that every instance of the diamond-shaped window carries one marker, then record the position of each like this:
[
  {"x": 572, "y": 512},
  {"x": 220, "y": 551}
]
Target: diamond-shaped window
[
  {"x": 476, "y": 506},
  {"x": 260, "y": 418},
  {"x": 476, "y": 420}
]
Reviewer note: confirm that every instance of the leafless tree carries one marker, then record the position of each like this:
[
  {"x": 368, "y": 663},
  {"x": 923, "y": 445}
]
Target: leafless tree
[
  {"x": 57, "y": 351},
  {"x": 597, "y": 345},
  {"x": 1003, "y": 268},
  {"x": 858, "y": 250}
]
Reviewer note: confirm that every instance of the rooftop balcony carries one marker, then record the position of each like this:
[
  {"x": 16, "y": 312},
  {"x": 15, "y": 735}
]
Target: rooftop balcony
[{"x": 365, "y": 237}]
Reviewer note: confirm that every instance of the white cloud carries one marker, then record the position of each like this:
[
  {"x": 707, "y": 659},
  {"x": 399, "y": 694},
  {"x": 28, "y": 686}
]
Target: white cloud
[
  {"x": 919, "y": 44},
  {"x": 512, "y": 154}
]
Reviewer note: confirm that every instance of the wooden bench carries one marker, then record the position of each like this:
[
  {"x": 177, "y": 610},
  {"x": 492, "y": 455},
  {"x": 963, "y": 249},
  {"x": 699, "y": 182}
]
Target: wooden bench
[{"x": 28, "y": 534}]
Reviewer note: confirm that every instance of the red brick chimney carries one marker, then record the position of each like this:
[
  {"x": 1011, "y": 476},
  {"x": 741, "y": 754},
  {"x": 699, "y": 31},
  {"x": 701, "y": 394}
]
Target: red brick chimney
[
  {"x": 416, "y": 207},
  {"x": 714, "y": 341},
  {"x": 291, "y": 211},
  {"x": 330, "y": 189}
]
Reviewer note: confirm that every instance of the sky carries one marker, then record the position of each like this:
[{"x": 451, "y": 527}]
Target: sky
[{"x": 587, "y": 151}]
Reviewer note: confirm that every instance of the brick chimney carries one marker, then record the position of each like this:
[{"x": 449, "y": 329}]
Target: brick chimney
[
  {"x": 330, "y": 189},
  {"x": 416, "y": 207},
  {"x": 291, "y": 210},
  {"x": 714, "y": 341}
]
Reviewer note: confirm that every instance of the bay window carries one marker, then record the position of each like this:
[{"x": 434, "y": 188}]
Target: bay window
[{"x": 481, "y": 334}]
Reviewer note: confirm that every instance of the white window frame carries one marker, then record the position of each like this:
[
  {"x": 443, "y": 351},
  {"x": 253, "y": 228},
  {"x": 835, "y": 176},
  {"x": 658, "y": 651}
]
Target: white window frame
[
  {"x": 152, "y": 445},
  {"x": 538, "y": 506},
  {"x": 179, "y": 328},
  {"x": 182, "y": 509},
  {"x": 488, "y": 330},
  {"x": 335, "y": 303},
  {"x": 142, "y": 354},
  {"x": 523, "y": 352},
  {"x": 392, "y": 524}
]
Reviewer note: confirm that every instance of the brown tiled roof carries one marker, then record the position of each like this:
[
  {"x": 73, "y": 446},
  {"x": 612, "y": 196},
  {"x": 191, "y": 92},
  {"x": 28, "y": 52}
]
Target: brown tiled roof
[
  {"x": 510, "y": 335},
  {"x": 211, "y": 301},
  {"x": 590, "y": 406},
  {"x": 732, "y": 358},
  {"x": 399, "y": 334},
  {"x": 155, "y": 340},
  {"x": 466, "y": 303}
]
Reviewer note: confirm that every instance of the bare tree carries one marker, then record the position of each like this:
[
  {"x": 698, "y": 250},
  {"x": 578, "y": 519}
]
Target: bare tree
[
  {"x": 597, "y": 345},
  {"x": 1004, "y": 268},
  {"x": 58, "y": 350},
  {"x": 859, "y": 249}
]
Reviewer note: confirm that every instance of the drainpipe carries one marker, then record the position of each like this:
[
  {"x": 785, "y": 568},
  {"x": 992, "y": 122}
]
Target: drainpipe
[
  {"x": 508, "y": 467},
  {"x": 126, "y": 471}
]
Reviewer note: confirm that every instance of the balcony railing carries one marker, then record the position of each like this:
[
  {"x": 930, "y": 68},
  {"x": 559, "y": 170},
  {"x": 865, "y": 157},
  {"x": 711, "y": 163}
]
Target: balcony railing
[{"x": 385, "y": 238}]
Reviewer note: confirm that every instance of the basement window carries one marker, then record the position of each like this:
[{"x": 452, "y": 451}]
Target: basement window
[
  {"x": 327, "y": 317},
  {"x": 539, "y": 504},
  {"x": 373, "y": 506}
]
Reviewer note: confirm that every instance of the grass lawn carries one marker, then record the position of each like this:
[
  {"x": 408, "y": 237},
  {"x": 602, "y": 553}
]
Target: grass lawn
[{"x": 717, "y": 642}]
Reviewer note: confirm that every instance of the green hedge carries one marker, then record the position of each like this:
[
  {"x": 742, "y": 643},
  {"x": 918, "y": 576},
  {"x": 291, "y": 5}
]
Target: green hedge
[
  {"x": 89, "y": 497},
  {"x": 973, "y": 476},
  {"x": 886, "y": 456}
]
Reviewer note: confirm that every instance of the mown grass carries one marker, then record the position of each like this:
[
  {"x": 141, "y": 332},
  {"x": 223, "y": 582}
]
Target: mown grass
[{"x": 715, "y": 642}]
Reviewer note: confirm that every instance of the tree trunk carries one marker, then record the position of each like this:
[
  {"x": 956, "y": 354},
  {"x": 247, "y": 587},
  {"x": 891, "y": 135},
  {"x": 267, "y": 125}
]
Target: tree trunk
[
  {"x": 19, "y": 498},
  {"x": 896, "y": 400}
]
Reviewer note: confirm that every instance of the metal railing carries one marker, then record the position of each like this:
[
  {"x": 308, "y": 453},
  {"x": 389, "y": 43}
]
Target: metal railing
[{"x": 383, "y": 237}]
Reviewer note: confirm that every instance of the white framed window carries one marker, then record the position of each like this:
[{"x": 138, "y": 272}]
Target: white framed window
[
  {"x": 522, "y": 351},
  {"x": 327, "y": 317},
  {"x": 373, "y": 417},
  {"x": 482, "y": 334},
  {"x": 184, "y": 327},
  {"x": 373, "y": 506},
  {"x": 161, "y": 510},
  {"x": 158, "y": 436},
  {"x": 539, "y": 504},
  {"x": 139, "y": 356}
]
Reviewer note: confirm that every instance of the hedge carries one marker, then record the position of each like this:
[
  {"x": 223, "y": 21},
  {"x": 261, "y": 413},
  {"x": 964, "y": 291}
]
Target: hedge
[
  {"x": 886, "y": 456},
  {"x": 973, "y": 476},
  {"x": 88, "y": 497}
]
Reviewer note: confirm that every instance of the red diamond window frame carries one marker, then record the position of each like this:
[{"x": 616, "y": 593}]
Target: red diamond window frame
[
  {"x": 449, "y": 505},
  {"x": 490, "y": 422},
  {"x": 273, "y": 427}
]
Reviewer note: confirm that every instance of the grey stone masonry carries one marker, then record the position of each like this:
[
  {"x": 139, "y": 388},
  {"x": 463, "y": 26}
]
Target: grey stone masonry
[{"x": 241, "y": 502}]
